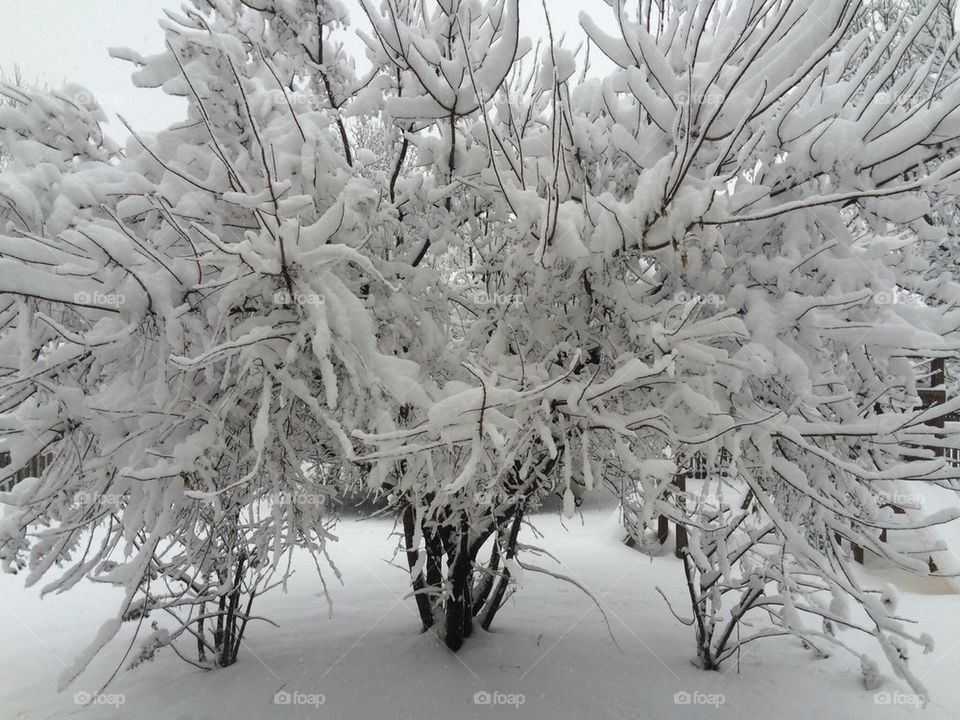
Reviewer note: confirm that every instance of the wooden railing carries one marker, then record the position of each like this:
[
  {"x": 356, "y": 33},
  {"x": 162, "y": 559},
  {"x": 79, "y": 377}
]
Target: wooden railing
[{"x": 34, "y": 468}]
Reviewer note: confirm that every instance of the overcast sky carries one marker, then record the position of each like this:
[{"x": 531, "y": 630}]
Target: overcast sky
[{"x": 58, "y": 41}]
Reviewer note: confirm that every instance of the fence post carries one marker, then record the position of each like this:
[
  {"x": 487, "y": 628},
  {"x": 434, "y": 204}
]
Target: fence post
[
  {"x": 663, "y": 529},
  {"x": 680, "y": 481},
  {"x": 663, "y": 523}
]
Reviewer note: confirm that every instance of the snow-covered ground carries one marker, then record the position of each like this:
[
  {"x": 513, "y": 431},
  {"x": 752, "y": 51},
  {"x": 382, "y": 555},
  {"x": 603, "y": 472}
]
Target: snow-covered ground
[{"x": 549, "y": 657}]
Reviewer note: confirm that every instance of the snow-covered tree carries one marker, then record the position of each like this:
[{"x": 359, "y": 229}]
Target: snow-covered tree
[
  {"x": 699, "y": 252},
  {"x": 185, "y": 329}
]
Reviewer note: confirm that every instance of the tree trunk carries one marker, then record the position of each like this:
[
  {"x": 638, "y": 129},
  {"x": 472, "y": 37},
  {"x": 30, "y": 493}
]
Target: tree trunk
[
  {"x": 230, "y": 644},
  {"x": 459, "y": 606},
  {"x": 419, "y": 583},
  {"x": 510, "y": 550}
]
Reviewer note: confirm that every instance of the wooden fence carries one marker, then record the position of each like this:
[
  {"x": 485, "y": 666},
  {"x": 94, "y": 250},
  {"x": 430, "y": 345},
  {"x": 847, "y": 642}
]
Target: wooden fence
[{"x": 34, "y": 468}]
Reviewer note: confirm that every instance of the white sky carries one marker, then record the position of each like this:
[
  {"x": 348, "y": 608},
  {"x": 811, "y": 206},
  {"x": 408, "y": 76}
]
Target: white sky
[{"x": 58, "y": 41}]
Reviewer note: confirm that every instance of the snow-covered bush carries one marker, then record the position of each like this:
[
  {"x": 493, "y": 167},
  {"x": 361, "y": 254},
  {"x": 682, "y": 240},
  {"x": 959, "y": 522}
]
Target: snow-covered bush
[
  {"x": 185, "y": 329},
  {"x": 701, "y": 252}
]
